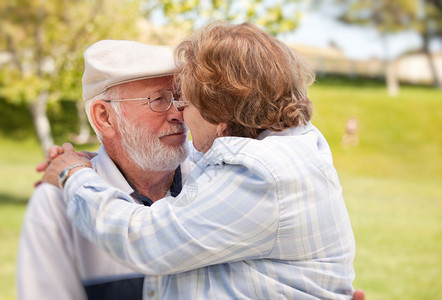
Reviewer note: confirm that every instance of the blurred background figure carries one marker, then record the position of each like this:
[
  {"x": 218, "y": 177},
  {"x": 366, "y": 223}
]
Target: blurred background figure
[{"x": 351, "y": 135}]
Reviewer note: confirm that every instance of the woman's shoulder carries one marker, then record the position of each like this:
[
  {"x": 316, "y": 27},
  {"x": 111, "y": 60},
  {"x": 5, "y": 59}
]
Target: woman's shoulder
[
  {"x": 273, "y": 150},
  {"x": 271, "y": 144}
]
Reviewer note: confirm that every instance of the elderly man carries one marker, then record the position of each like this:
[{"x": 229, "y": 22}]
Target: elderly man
[{"x": 127, "y": 89}]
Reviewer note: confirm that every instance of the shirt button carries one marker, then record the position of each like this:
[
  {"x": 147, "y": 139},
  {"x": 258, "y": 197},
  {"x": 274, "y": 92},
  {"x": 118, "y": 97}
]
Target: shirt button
[{"x": 150, "y": 293}]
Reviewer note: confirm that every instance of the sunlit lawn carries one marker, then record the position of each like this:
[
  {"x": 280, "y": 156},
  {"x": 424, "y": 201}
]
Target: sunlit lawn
[
  {"x": 392, "y": 184},
  {"x": 17, "y": 161}
]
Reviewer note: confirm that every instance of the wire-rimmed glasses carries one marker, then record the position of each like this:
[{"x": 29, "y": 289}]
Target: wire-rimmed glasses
[{"x": 160, "y": 101}]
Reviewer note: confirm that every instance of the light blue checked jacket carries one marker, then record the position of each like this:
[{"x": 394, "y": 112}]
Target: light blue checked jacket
[{"x": 256, "y": 219}]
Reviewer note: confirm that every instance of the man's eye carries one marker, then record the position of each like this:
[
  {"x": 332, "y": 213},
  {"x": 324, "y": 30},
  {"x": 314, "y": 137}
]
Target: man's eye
[{"x": 160, "y": 99}]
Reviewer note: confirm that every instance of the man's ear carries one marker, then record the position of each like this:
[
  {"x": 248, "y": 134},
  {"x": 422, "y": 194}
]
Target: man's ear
[{"x": 103, "y": 117}]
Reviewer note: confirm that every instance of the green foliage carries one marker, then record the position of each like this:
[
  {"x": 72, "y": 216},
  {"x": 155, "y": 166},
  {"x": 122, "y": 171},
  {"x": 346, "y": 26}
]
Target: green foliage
[
  {"x": 430, "y": 21},
  {"x": 387, "y": 16},
  {"x": 15, "y": 122},
  {"x": 276, "y": 17},
  {"x": 392, "y": 16},
  {"x": 46, "y": 39}
]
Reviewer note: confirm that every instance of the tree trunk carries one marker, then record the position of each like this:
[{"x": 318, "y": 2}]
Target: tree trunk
[
  {"x": 391, "y": 78},
  {"x": 436, "y": 79},
  {"x": 84, "y": 135},
  {"x": 41, "y": 122},
  {"x": 431, "y": 64}
]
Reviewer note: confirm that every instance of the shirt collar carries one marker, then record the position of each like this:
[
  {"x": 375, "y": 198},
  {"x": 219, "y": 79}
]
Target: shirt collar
[
  {"x": 231, "y": 145},
  {"x": 106, "y": 168},
  {"x": 293, "y": 131},
  {"x": 174, "y": 190}
]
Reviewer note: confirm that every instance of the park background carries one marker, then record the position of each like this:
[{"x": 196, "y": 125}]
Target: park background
[{"x": 386, "y": 77}]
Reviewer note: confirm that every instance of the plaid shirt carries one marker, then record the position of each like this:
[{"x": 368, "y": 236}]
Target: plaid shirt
[{"x": 256, "y": 219}]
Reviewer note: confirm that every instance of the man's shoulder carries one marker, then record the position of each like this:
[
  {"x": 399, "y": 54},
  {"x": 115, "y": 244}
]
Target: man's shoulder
[
  {"x": 45, "y": 192},
  {"x": 46, "y": 204}
]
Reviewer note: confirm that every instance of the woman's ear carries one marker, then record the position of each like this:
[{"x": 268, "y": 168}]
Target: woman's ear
[
  {"x": 220, "y": 129},
  {"x": 102, "y": 115}
]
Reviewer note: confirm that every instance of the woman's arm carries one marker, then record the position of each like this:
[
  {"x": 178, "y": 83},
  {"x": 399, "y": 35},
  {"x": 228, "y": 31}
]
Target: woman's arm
[{"x": 222, "y": 216}]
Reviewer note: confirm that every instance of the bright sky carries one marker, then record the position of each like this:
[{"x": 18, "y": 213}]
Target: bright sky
[{"x": 320, "y": 30}]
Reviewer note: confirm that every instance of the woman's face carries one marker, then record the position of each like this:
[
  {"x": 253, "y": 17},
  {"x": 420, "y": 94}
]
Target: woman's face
[{"x": 203, "y": 133}]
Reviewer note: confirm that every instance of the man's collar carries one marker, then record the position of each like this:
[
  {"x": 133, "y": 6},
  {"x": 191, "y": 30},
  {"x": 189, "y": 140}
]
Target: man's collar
[
  {"x": 174, "y": 190},
  {"x": 106, "y": 168}
]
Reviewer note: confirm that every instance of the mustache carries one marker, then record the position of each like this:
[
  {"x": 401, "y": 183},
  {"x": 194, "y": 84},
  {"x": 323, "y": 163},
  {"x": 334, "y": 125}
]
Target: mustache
[{"x": 176, "y": 128}]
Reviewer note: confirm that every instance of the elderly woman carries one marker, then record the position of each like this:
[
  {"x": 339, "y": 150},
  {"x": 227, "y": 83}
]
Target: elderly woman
[{"x": 261, "y": 215}]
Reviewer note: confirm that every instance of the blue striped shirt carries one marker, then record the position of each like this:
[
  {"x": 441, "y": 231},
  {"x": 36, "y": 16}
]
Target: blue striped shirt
[{"x": 256, "y": 219}]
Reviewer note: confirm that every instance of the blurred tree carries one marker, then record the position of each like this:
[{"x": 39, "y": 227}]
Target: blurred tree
[
  {"x": 44, "y": 42},
  {"x": 428, "y": 23},
  {"x": 423, "y": 16},
  {"x": 387, "y": 17},
  {"x": 275, "y": 16}
]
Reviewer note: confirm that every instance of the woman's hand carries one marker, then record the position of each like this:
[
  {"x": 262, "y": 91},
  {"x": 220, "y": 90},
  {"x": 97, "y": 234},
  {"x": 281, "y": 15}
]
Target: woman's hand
[
  {"x": 55, "y": 151},
  {"x": 60, "y": 158}
]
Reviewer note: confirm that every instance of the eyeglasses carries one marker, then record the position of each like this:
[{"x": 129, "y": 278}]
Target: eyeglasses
[{"x": 160, "y": 101}]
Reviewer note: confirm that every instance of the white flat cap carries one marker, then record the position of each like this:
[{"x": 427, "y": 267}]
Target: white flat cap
[{"x": 112, "y": 62}]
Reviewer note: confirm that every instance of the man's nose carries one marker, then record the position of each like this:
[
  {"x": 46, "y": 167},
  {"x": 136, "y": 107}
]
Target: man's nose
[{"x": 173, "y": 115}]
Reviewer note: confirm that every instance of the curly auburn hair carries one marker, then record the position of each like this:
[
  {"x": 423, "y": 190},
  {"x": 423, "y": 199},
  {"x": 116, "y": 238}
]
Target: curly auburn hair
[{"x": 244, "y": 77}]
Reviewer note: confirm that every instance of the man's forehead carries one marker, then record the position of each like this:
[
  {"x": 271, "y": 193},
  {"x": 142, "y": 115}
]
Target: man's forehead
[{"x": 163, "y": 82}]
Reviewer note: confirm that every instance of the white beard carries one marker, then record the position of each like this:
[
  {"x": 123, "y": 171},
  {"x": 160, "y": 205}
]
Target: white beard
[{"x": 146, "y": 150}]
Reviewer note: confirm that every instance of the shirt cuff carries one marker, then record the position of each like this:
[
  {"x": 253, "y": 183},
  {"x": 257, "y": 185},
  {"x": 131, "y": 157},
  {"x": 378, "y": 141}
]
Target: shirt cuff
[{"x": 77, "y": 181}]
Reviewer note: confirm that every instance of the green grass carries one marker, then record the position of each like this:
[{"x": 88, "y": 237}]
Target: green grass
[
  {"x": 398, "y": 236},
  {"x": 391, "y": 180},
  {"x": 19, "y": 155},
  {"x": 17, "y": 161},
  {"x": 397, "y": 135}
]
